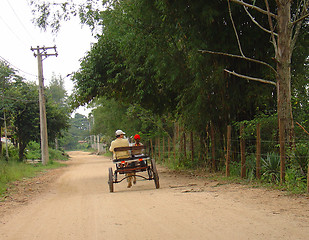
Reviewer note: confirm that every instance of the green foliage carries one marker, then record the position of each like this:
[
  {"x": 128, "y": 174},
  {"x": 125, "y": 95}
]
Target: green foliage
[
  {"x": 20, "y": 101},
  {"x": 33, "y": 150},
  {"x": 78, "y": 131},
  {"x": 57, "y": 91},
  {"x": 271, "y": 167},
  {"x": 301, "y": 157},
  {"x": 13, "y": 153},
  {"x": 110, "y": 115},
  {"x": 268, "y": 132},
  {"x": 235, "y": 168},
  {"x": 251, "y": 166},
  {"x": 151, "y": 59},
  {"x": 57, "y": 109},
  {"x": 56, "y": 155},
  {"x": 295, "y": 181}
]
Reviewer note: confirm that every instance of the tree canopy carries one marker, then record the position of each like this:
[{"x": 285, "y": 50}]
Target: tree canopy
[{"x": 20, "y": 103}]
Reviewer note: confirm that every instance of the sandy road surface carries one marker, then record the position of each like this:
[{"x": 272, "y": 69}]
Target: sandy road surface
[{"x": 78, "y": 205}]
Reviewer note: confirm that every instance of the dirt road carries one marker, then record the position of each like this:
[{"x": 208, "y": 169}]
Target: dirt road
[{"x": 78, "y": 206}]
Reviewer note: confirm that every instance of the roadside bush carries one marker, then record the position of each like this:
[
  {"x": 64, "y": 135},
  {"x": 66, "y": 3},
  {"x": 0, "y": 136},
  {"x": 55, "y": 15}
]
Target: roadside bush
[
  {"x": 295, "y": 181},
  {"x": 251, "y": 166},
  {"x": 33, "y": 151},
  {"x": 57, "y": 155},
  {"x": 12, "y": 152},
  {"x": 235, "y": 168},
  {"x": 300, "y": 156}
]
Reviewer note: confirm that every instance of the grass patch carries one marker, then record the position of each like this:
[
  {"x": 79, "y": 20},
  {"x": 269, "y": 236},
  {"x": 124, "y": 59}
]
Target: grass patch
[
  {"x": 12, "y": 171},
  {"x": 108, "y": 154}
]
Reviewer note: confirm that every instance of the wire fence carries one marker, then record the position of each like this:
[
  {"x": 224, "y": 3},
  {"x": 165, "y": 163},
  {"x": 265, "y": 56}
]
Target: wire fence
[{"x": 236, "y": 148}]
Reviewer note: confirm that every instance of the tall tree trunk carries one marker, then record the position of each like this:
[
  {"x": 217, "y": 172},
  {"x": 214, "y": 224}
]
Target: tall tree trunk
[
  {"x": 21, "y": 151},
  {"x": 284, "y": 53},
  {"x": 284, "y": 69}
]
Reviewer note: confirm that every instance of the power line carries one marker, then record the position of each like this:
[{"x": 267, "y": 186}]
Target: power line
[
  {"x": 21, "y": 23},
  {"x": 8, "y": 26},
  {"x": 17, "y": 68}
]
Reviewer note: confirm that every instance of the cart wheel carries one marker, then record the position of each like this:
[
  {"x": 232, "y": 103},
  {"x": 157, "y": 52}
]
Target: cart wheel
[
  {"x": 155, "y": 173},
  {"x": 110, "y": 180}
]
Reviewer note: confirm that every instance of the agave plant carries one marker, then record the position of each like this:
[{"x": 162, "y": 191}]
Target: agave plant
[{"x": 271, "y": 167}]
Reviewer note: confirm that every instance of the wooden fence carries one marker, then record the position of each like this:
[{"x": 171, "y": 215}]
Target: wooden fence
[{"x": 167, "y": 148}]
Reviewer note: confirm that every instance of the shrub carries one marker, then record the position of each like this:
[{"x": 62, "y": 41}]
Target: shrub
[
  {"x": 300, "y": 158},
  {"x": 33, "y": 151},
  {"x": 57, "y": 155},
  {"x": 271, "y": 167},
  {"x": 295, "y": 181},
  {"x": 251, "y": 166}
]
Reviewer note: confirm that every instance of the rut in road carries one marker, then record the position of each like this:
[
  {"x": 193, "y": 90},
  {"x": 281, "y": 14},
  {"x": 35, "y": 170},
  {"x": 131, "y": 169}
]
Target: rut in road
[{"x": 79, "y": 206}]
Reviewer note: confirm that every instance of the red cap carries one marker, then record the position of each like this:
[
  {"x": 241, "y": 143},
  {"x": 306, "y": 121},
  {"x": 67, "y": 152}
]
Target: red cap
[{"x": 137, "y": 137}]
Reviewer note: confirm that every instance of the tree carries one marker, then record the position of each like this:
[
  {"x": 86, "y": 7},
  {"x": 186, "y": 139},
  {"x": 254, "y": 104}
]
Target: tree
[
  {"x": 78, "y": 130},
  {"x": 25, "y": 115},
  {"x": 289, "y": 18},
  {"x": 7, "y": 74},
  {"x": 57, "y": 91},
  {"x": 58, "y": 109}
]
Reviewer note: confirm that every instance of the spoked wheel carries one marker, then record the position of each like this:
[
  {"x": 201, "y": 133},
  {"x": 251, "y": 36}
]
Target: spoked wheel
[
  {"x": 155, "y": 173},
  {"x": 110, "y": 180}
]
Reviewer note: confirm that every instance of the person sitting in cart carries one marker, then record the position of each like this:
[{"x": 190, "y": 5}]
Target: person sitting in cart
[
  {"x": 120, "y": 141},
  {"x": 139, "y": 152}
]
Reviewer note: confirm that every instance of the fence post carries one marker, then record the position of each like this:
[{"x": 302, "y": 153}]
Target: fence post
[
  {"x": 227, "y": 164},
  {"x": 243, "y": 152},
  {"x": 258, "y": 151},
  {"x": 213, "y": 149}
]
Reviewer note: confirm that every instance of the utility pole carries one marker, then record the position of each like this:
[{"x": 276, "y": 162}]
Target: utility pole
[{"x": 41, "y": 52}]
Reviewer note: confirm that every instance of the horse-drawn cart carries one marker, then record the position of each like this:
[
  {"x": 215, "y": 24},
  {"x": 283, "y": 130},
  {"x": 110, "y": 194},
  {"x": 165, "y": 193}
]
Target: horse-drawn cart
[{"x": 138, "y": 165}]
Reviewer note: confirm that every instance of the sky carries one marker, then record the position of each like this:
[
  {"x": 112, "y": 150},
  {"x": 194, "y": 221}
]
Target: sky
[{"x": 19, "y": 34}]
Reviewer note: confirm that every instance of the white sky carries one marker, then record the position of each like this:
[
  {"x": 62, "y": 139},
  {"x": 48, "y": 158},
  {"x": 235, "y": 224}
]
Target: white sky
[{"x": 19, "y": 34}]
